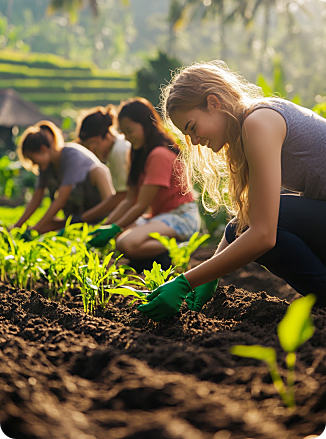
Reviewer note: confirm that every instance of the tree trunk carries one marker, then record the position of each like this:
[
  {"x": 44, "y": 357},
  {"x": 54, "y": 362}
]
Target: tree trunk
[
  {"x": 265, "y": 35},
  {"x": 222, "y": 32}
]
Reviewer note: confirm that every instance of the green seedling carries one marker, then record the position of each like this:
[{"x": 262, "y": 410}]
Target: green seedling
[
  {"x": 99, "y": 281},
  {"x": 61, "y": 256},
  {"x": 22, "y": 261},
  {"x": 75, "y": 232},
  {"x": 180, "y": 254},
  {"x": 295, "y": 328},
  {"x": 155, "y": 277},
  {"x": 152, "y": 280}
]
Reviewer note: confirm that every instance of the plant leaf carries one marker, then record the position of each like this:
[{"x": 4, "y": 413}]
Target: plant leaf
[
  {"x": 255, "y": 351},
  {"x": 296, "y": 327}
]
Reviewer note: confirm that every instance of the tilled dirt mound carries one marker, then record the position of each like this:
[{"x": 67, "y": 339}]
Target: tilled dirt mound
[{"x": 66, "y": 375}]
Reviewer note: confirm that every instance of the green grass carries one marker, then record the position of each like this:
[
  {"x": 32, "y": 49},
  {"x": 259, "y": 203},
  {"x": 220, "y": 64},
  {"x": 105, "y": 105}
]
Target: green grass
[{"x": 10, "y": 215}]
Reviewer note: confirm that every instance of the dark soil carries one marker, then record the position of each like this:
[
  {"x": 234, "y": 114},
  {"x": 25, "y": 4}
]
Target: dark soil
[{"x": 67, "y": 375}]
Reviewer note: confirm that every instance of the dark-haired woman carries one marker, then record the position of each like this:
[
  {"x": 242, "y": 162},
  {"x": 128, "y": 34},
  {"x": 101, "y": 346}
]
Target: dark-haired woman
[
  {"x": 153, "y": 185},
  {"x": 75, "y": 178},
  {"x": 96, "y": 130}
]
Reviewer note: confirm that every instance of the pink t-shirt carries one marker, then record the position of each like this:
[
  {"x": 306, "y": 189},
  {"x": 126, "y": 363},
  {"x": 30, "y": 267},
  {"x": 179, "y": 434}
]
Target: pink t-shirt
[{"x": 162, "y": 169}]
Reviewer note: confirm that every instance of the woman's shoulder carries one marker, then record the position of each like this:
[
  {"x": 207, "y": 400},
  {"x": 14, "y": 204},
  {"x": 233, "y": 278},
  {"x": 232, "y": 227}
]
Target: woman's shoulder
[
  {"x": 72, "y": 149},
  {"x": 267, "y": 113}
]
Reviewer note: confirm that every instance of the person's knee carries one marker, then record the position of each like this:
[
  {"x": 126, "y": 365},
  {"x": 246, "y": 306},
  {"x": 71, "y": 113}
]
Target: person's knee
[{"x": 127, "y": 246}]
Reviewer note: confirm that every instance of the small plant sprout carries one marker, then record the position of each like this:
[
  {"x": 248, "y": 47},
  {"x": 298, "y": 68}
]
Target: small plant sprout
[
  {"x": 75, "y": 232},
  {"x": 22, "y": 261},
  {"x": 152, "y": 280},
  {"x": 294, "y": 329},
  {"x": 180, "y": 254},
  {"x": 155, "y": 277},
  {"x": 98, "y": 281},
  {"x": 61, "y": 256}
]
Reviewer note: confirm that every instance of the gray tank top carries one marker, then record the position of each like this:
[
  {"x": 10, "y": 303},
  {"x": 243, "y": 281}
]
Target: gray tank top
[
  {"x": 76, "y": 162},
  {"x": 303, "y": 157}
]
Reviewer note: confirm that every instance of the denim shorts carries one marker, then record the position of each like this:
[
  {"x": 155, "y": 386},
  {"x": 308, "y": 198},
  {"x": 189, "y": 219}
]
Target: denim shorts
[{"x": 184, "y": 220}]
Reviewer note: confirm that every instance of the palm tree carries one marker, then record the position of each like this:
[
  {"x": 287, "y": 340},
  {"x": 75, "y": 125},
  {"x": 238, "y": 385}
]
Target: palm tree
[{"x": 184, "y": 11}]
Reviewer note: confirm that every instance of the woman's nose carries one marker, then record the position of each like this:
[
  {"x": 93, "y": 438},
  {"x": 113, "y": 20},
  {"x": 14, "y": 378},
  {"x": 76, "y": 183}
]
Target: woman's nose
[{"x": 195, "y": 139}]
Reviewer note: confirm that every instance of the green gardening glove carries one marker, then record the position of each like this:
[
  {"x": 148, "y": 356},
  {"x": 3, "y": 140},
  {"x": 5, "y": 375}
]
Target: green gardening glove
[
  {"x": 103, "y": 234},
  {"x": 167, "y": 299},
  {"x": 197, "y": 298}
]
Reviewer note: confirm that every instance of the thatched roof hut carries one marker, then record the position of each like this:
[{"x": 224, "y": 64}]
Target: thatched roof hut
[{"x": 15, "y": 111}]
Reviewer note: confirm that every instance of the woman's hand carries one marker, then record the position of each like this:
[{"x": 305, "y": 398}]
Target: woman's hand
[
  {"x": 167, "y": 299},
  {"x": 103, "y": 234},
  {"x": 197, "y": 298}
]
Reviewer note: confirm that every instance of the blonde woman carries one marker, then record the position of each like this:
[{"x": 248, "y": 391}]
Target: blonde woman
[
  {"x": 75, "y": 178},
  {"x": 263, "y": 144}
]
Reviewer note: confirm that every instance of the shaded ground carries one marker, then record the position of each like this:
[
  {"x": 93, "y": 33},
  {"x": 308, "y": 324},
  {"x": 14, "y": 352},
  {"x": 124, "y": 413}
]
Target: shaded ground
[{"x": 67, "y": 375}]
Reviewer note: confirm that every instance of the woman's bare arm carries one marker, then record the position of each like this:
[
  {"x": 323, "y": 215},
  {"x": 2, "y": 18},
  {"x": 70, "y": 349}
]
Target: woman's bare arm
[
  {"x": 103, "y": 208},
  {"x": 263, "y": 136},
  {"x": 103, "y": 182},
  {"x": 56, "y": 205},
  {"x": 147, "y": 195},
  {"x": 99, "y": 179},
  {"x": 31, "y": 207},
  {"x": 124, "y": 206}
]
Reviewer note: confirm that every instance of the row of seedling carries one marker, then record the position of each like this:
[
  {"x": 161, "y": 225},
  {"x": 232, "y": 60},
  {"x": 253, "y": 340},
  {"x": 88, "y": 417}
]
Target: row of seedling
[{"x": 64, "y": 261}]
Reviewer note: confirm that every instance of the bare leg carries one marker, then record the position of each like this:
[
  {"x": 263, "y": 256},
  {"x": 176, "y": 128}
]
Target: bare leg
[{"x": 136, "y": 244}]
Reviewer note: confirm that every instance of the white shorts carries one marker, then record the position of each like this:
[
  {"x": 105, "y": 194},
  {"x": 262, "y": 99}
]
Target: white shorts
[{"x": 184, "y": 220}]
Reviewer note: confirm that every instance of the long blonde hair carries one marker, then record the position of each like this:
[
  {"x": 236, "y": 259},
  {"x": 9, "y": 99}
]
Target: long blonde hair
[
  {"x": 223, "y": 176},
  {"x": 32, "y": 139}
]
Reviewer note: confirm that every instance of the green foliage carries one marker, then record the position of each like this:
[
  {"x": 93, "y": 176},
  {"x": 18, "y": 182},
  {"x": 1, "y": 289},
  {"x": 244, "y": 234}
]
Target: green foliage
[
  {"x": 60, "y": 259},
  {"x": 180, "y": 254},
  {"x": 11, "y": 215},
  {"x": 64, "y": 261},
  {"x": 155, "y": 277},
  {"x": 213, "y": 224},
  {"x": 19, "y": 260},
  {"x": 8, "y": 171},
  {"x": 295, "y": 328},
  {"x": 278, "y": 86},
  {"x": 320, "y": 109},
  {"x": 158, "y": 72}
]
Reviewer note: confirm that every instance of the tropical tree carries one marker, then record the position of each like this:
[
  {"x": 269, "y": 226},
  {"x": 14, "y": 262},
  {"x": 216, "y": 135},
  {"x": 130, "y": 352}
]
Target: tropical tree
[
  {"x": 183, "y": 12},
  {"x": 71, "y": 6}
]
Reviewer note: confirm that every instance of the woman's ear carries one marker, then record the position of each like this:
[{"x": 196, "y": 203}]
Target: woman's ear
[{"x": 213, "y": 103}]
